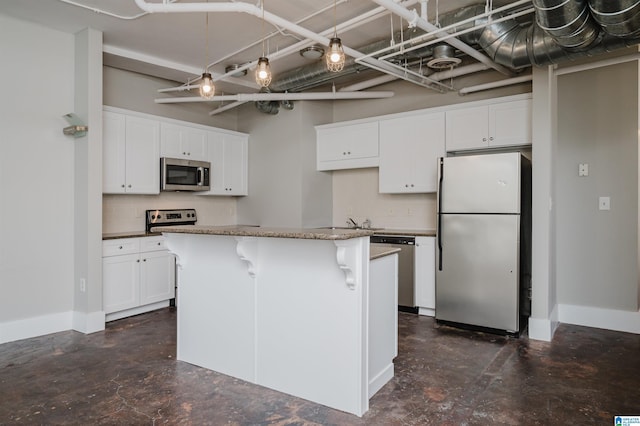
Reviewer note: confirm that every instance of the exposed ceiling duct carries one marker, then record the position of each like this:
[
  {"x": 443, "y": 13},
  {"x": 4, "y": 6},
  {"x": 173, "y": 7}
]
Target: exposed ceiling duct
[{"x": 562, "y": 30}]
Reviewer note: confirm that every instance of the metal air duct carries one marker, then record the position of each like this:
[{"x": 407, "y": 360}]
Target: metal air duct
[{"x": 617, "y": 18}]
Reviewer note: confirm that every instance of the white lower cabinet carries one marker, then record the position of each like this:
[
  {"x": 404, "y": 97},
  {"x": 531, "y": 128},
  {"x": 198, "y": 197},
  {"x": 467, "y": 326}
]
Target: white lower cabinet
[
  {"x": 138, "y": 275},
  {"x": 425, "y": 275}
]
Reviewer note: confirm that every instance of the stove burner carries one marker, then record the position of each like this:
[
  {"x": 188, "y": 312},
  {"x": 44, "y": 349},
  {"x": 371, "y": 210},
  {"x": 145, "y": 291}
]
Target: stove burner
[{"x": 155, "y": 218}]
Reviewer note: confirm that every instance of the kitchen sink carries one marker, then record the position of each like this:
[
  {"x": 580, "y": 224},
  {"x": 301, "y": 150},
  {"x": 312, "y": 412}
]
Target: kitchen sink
[{"x": 351, "y": 227}]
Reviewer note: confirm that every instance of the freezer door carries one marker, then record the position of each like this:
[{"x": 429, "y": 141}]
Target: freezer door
[
  {"x": 478, "y": 282},
  {"x": 481, "y": 184}
]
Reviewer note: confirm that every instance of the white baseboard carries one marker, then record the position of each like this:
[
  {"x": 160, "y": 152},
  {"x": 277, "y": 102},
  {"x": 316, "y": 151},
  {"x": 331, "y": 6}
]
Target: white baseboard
[
  {"x": 544, "y": 328},
  {"x": 610, "y": 319},
  {"x": 52, "y": 323},
  {"x": 34, "y": 327},
  {"x": 427, "y": 312},
  {"x": 88, "y": 323},
  {"x": 376, "y": 383},
  {"x": 135, "y": 311}
]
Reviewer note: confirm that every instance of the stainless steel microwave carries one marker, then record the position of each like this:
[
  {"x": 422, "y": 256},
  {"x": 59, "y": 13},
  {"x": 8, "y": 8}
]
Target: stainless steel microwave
[{"x": 184, "y": 175}]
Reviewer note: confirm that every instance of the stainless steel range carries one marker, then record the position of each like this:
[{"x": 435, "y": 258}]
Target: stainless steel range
[{"x": 157, "y": 218}]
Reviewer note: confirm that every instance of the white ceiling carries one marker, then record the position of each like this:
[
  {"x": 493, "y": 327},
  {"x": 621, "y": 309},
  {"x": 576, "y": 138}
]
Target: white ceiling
[{"x": 173, "y": 45}]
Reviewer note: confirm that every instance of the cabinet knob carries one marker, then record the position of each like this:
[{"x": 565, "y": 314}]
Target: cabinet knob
[
  {"x": 349, "y": 152},
  {"x": 159, "y": 243},
  {"x": 123, "y": 185},
  {"x": 129, "y": 185},
  {"x": 412, "y": 185},
  {"x": 484, "y": 139},
  {"x": 491, "y": 138},
  {"x": 138, "y": 260},
  {"x": 144, "y": 260},
  {"x": 184, "y": 153},
  {"x": 120, "y": 248}
]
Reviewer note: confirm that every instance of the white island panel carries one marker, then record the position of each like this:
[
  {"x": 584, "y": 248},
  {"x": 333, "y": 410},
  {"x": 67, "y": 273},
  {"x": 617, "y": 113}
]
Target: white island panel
[
  {"x": 216, "y": 305},
  {"x": 311, "y": 325}
]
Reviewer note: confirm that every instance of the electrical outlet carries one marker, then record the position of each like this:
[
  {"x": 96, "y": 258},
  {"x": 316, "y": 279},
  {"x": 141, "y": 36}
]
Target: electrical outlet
[
  {"x": 583, "y": 169},
  {"x": 83, "y": 285}
]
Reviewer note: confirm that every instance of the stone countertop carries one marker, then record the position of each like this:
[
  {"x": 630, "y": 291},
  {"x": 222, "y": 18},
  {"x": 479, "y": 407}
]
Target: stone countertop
[
  {"x": 253, "y": 231},
  {"x": 324, "y": 231},
  {"x": 377, "y": 252},
  {"x": 413, "y": 232},
  {"x": 129, "y": 234}
]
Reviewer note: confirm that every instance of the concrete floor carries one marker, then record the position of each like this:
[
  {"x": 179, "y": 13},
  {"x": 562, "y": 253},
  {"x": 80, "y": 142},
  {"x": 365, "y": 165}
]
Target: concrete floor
[{"x": 444, "y": 376}]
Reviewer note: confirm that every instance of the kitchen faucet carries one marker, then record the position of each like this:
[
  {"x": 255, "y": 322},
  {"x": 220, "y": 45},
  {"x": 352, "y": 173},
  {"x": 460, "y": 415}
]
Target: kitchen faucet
[{"x": 352, "y": 223}]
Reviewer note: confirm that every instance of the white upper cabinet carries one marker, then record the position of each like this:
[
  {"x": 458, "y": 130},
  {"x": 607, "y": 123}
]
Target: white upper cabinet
[
  {"x": 228, "y": 154},
  {"x": 131, "y": 154},
  {"x": 497, "y": 124},
  {"x": 178, "y": 141},
  {"x": 347, "y": 146},
  {"x": 409, "y": 149}
]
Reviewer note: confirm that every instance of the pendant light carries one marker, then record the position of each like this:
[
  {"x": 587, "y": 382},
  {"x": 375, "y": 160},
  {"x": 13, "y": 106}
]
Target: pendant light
[
  {"x": 335, "y": 54},
  {"x": 263, "y": 71},
  {"x": 207, "y": 89}
]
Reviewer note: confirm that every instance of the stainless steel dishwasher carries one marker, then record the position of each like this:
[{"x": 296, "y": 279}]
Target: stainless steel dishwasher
[{"x": 406, "y": 286}]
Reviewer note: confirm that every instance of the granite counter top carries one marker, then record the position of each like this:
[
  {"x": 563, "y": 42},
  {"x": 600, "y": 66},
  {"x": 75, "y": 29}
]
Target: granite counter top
[
  {"x": 252, "y": 231},
  {"x": 376, "y": 252},
  {"x": 414, "y": 232},
  {"x": 129, "y": 234}
]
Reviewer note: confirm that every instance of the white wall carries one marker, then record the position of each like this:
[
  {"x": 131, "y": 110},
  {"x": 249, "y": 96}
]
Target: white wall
[
  {"x": 285, "y": 190},
  {"x": 597, "y": 255},
  {"x": 36, "y": 174},
  {"x": 136, "y": 92},
  {"x": 355, "y": 195}
]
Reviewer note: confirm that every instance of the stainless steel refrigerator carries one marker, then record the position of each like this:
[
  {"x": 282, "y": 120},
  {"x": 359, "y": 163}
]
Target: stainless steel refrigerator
[{"x": 483, "y": 260}]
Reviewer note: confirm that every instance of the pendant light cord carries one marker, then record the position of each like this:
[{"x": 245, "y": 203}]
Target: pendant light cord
[
  {"x": 263, "y": 35},
  {"x": 206, "y": 53},
  {"x": 335, "y": 19}
]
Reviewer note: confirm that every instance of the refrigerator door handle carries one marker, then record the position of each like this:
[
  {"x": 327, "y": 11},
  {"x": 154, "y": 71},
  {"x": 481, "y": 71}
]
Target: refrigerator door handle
[{"x": 439, "y": 225}]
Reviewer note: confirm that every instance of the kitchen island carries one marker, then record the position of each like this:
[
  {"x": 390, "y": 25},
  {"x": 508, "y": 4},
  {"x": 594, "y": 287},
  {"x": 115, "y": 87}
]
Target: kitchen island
[{"x": 295, "y": 310}]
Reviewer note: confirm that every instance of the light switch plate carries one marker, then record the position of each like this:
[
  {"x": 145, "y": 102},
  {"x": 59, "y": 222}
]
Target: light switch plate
[{"x": 604, "y": 203}]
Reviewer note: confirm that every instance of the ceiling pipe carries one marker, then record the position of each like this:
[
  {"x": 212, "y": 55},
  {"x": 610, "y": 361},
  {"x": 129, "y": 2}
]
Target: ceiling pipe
[
  {"x": 495, "y": 84},
  {"x": 368, "y": 83},
  {"x": 259, "y": 97},
  {"x": 457, "y": 72},
  {"x": 427, "y": 26},
  {"x": 226, "y": 107}
]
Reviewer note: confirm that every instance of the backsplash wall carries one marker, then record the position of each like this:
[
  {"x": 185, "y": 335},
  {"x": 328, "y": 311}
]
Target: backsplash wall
[
  {"x": 355, "y": 194},
  {"x": 124, "y": 213}
]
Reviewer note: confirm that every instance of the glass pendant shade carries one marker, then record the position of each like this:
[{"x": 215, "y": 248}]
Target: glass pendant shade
[
  {"x": 335, "y": 55},
  {"x": 207, "y": 88},
  {"x": 263, "y": 72}
]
